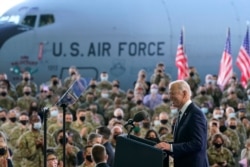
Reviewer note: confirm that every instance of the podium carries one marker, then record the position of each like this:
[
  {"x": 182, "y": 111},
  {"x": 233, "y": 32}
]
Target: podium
[{"x": 132, "y": 151}]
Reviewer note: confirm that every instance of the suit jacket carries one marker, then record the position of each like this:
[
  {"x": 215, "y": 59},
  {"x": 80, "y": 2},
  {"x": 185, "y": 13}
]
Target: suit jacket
[
  {"x": 110, "y": 152},
  {"x": 102, "y": 165},
  {"x": 190, "y": 139}
]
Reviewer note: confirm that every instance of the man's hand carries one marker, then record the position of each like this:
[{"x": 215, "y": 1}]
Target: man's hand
[{"x": 163, "y": 146}]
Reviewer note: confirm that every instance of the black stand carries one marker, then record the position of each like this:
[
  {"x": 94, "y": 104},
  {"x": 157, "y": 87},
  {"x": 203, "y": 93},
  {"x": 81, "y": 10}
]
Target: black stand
[
  {"x": 45, "y": 113},
  {"x": 132, "y": 151},
  {"x": 64, "y": 133}
]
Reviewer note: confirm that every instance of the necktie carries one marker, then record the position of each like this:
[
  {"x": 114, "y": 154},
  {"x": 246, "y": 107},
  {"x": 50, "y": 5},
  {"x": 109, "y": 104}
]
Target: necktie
[
  {"x": 177, "y": 121},
  {"x": 179, "y": 117}
]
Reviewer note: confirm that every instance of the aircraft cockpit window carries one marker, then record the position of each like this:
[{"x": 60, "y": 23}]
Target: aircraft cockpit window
[
  {"x": 10, "y": 18},
  {"x": 46, "y": 19},
  {"x": 29, "y": 20}
]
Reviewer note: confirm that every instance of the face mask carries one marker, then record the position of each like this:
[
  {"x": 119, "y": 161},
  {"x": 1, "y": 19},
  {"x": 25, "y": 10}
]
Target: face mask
[
  {"x": 174, "y": 111},
  {"x": 26, "y": 79},
  {"x": 137, "y": 129},
  {"x": 223, "y": 128},
  {"x": 232, "y": 127},
  {"x": 129, "y": 98},
  {"x": 54, "y": 113},
  {"x": 12, "y": 119},
  {"x": 49, "y": 96},
  {"x": 217, "y": 116},
  {"x": 166, "y": 100},
  {"x": 93, "y": 86},
  {"x": 55, "y": 83},
  {"x": 153, "y": 91},
  {"x": 37, "y": 125},
  {"x": 62, "y": 142},
  {"x": 231, "y": 115},
  {"x": 204, "y": 110},
  {"x": 119, "y": 117},
  {"x": 3, "y": 119},
  {"x": 23, "y": 122},
  {"x": 146, "y": 125},
  {"x": 105, "y": 95},
  {"x": 218, "y": 145},
  {"x": 27, "y": 93},
  {"x": 82, "y": 118},
  {"x": 104, "y": 78},
  {"x": 203, "y": 92},
  {"x": 164, "y": 121},
  {"x": 73, "y": 73},
  {"x": 157, "y": 122},
  {"x": 3, "y": 93},
  {"x": 2, "y": 151},
  {"x": 117, "y": 86},
  {"x": 191, "y": 74},
  {"x": 162, "y": 89},
  {"x": 33, "y": 108},
  {"x": 88, "y": 157},
  {"x": 139, "y": 102}
]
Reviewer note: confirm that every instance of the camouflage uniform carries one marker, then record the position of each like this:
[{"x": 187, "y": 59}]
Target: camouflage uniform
[
  {"x": 71, "y": 159},
  {"x": 7, "y": 102},
  {"x": 7, "y": 127},
  {"x": 163, "y": 107},
  {"x": 102, "y": 102},
  {"x": 137, "y": 109},
  {"x": 52, "y": 129},
  {"x": 201, "y": 99},
  {"x": 51, "y": 121},
  {"x": 25, "y": 101},
  {"x": 220, "y": 155},
  {"x": 104, "y": 85},
  {"x": 167, "y": 137},
  {"x": 157, "y": 78},
  {"x": 234, "y": 141},
  {"x": 90, "y": 165},
  {"x": 15, "y": 134},
  {"x": 77, "y": 141},
  {"x": 193, "y": 83},
  {"x": 85, "y": 125},
  {"x": 22, "y": 84},
  {"x": 27, "y": 149}
]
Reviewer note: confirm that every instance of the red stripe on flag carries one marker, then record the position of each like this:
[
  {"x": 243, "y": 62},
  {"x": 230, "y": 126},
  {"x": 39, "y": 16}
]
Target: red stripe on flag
[
  {"x": 226, "y": 64},
  {"x": 243, "y": 60},
  {"x": 181, "y": 60}
]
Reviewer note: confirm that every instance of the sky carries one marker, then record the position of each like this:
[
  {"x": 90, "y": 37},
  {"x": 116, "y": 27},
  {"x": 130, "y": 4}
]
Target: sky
[{"x": 6, "y": 4}]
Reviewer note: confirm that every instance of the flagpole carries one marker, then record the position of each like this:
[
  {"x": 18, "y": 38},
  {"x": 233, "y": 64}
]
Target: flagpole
[{"x": 45, "y": 111}]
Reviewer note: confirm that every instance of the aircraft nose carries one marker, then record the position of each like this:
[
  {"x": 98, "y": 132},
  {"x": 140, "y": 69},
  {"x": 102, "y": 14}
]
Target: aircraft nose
[{"x": 8, "y": 30}]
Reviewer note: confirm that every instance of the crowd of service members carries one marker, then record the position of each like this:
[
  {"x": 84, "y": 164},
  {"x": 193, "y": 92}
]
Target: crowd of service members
[{"x": 100, "y": 113}]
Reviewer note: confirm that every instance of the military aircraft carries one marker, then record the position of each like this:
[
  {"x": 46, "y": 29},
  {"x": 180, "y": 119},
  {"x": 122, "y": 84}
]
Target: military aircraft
[{"x": 117, "y": 36}]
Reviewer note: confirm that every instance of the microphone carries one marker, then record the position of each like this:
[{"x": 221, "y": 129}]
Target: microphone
[{"x": 140, "y": 116}]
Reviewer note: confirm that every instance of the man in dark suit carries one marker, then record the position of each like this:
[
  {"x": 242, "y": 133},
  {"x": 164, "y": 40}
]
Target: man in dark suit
[
  {"x": 99, "y": 155},
  {"x": 190, "y": 133}
]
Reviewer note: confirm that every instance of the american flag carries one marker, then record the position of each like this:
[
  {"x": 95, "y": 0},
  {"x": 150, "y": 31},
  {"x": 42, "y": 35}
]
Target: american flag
[
  {"x": 243, "y": 60},
  {"x": 181, "y": 60},
  {"x": 40, "y": 51},
  {"x": 226, "y": 64}
]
